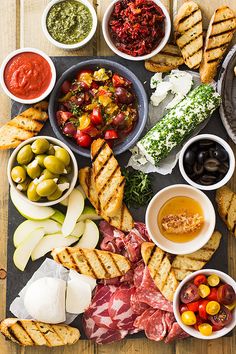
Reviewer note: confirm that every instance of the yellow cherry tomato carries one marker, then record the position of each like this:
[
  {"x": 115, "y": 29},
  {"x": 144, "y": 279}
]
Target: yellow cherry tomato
[
  {"x": 231, "y": 306},
  {"x": 213, "y": 280},
  {"x": 84, "y": 121},
  {"x": 213, "y": 307},
  {"x": 204, "y": 290},
  {"x": 205, "y": 329},
  {"x": 188, "y": 318}
]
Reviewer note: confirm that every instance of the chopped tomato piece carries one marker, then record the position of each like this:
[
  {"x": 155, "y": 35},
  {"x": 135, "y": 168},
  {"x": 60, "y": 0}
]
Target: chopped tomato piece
[
  {"x": 200, "y": 279},
  {"x": 96, "y": 116},
  {"x": 83, "y": 139},
  {"x": 111, "y": 134},
  {"x": 65, "y": 87},
  {"x": 202, "y": 309},
  {"x": 216, "y": 327},
  {"x": 199, "y": 321},
  {"x": 193, "y": 306},
  {"x": 84, "y": 122},
  {"x": 62, "y": 117},
  {"x": 85, "y": 78},
  {"x": 118, "y": 80},
  {"x": 213, "y": 295}
]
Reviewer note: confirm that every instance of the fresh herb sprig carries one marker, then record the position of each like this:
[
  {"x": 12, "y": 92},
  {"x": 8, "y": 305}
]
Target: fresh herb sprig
[{"x": 138, "y": 188}]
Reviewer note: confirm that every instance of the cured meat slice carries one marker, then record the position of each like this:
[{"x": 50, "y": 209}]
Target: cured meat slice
[
  {"x": 155, "y": 328},
  {"x": 153, "y": 298},
  {"x": 176, "y": 332},
  {"x": 138, "y": 274},
  {"x": 141, "y": 321},
  {"x": 147, "y": 281},
  {"x": 98, "y": 309},
  {"x": 132, "y": 243},
  {"x": 120, "y": 309},
  {"x": 169, "y": 319},
  {"x": 141, "y": 227},
  {"x": 137, "y": 306},
  {"x": 99, "y": 334}
]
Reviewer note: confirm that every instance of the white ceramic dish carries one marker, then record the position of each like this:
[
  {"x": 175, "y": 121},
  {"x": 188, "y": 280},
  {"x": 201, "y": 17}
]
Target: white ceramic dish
[
  {"x": 225, "y": 146},
  {"x": 72, "y": 176},
  {"x": 160, "y": 199},
  {"x": 45, "y": 93},
  {"x": 130, "y": 57},
  {"x": 191, "y": 330},
  {"x": 69, "y": 46}
]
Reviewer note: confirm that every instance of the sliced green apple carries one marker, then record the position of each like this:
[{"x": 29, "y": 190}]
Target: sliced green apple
[
  {"x": 74, "y": 210},
  {"x": 79, "y": 188},
  {"x": 30, "y": 211},
  {"x": 78, "y": 229},
  {"x": 58, "y": 216},
  {"x": 27, "y": 226},
  {"x": 48, "y": 242},
  {"x": 89, "y": 213},
  {"x": 90, "y": 236},
  {"x": 64, "y": 202},
  {"x": 23, "y": 251}
]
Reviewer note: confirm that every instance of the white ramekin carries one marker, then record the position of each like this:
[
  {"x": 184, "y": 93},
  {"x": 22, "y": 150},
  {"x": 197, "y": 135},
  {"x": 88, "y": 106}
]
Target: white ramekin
[
  {"x": 160, "y": 199},
  {"x": 45, "y": 93},
  {"x": 69, "y": 46},
  {"x": 228, "y": 149},
  {"x": 111, "y": 45},
  {"x": 72, "y": 176},
  {"x": 191, "y": 330}
]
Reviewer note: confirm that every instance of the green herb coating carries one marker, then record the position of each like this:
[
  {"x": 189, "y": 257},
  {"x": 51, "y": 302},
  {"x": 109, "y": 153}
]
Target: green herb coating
[{"x": 179, "y": 123}]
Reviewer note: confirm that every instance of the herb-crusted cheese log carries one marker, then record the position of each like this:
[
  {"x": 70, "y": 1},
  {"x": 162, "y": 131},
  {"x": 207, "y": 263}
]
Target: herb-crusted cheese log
[{"x": 179, "y": 123}]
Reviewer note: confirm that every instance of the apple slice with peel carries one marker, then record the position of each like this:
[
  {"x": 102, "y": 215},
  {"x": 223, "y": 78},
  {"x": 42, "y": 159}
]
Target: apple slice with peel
[
  {"x": 64, "y": 202},
  {"x": 89, "y": 213},
  {"x": 90, "y": 236},
  {"x": 58, "y": 216},
  {"x": 23, "y": 251},
  {"x": 27, "y": 226},
  {"x": 48, "y": 242},
  {"x": 78, "y": 229},
  {"x": 74, "y": 210},
  {"x": 30, "y": 211}
]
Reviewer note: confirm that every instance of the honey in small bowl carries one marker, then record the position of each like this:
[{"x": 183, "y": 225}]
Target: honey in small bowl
[{"x": 180, "y": 219}]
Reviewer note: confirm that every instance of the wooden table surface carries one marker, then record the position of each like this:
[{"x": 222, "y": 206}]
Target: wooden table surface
[{"x": 21, "y": 27}]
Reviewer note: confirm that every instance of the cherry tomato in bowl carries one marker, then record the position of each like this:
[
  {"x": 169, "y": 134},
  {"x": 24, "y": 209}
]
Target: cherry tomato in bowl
[{"x": 189, "y": 293}]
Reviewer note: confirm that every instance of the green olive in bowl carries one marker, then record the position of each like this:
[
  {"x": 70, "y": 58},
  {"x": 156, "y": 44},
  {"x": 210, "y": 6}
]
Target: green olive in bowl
[
  {"x": 54, "y": 165},
  {"x": 40, "y": 146},
  {"x": 25, "y": 155},
  {"x": 18, "y": 174},
  {"x": 46, "y": 187}
]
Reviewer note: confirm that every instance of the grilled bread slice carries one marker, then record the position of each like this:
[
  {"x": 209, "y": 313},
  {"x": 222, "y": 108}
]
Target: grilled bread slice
[
  {"x": 186, "y": 264},
  {"x": 169, "y": 58},
  {"x": 159, "y": 265},
  {"x": 24, "y": 126},
  {"x": 189, "y": 33},
  {"x": 28, "y": 332},
  {"x": 219, "y": 34},
  {"x": 92, "y": 262},
  {"x": 122, "y": 220},
  {"x": 226, "y": 202},
  {"x": 108, "y": 179}
]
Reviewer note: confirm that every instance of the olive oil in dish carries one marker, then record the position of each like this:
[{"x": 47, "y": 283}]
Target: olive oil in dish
[{"x": 180, "y": 219}]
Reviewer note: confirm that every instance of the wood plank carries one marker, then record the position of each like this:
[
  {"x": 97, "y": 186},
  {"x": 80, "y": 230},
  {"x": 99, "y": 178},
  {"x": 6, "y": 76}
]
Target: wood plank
[
  {"x": 32, "y": 34},
  {"x": 8, "y": 43}
]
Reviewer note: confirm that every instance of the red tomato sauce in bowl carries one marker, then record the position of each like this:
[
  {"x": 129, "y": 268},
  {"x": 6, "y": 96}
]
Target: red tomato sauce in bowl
[{"x": 27, "y": 75}]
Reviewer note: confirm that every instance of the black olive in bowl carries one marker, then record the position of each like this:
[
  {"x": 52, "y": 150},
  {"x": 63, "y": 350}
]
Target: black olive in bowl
[{"x": 206, "y": 162}]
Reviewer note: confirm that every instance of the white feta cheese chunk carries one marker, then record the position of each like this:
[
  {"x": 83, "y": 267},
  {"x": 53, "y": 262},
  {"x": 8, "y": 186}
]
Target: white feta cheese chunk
[{"x": 155, "y": 79}]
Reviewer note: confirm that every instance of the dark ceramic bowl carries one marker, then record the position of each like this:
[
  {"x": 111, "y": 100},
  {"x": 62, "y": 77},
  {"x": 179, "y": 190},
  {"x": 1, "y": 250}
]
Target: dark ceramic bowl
[{"x": 115, "y": 67}]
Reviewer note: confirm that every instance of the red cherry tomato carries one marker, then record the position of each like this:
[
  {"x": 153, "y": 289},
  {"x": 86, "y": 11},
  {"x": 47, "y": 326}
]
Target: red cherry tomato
[
  {"x": 226, "y": 294},
  {"x": 69, "y": 129},
  {"x": 213, "y": 295},
  {"x": 199, "y": 321},
  {"x": 96, "y": 116},
  {"x": 183, "y": 308},
  {"x": 111, "y": 134},
  {"x": 193, "y": 306},
  {"x": 189, "y": 293},
  {"x": 216, "y": 328},
  {"x": 202, "y": 309},
  {"x": 65, "y": 87},
  {"x": 91, "y": 130},
  {"x": 118, "y": 80},
  {"x": 62, "y": 117},
  {"x": 200, "y": 279},
  {"x": 83, "y": 139},
  {"x": 222, "y": 318},
  {"x": 119, "y": 119}
]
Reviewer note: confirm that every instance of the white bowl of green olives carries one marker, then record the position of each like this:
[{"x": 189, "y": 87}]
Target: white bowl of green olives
[
  {"x": 42, "y": 170},
  {"x": 206, "y": 162}
]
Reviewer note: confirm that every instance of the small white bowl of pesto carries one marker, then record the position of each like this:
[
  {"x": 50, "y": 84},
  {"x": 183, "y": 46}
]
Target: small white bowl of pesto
[{"x": 69, "y": 24}]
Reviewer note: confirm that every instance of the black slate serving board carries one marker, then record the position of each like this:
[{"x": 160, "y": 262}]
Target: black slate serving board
[{"x": 16, "y": 279}]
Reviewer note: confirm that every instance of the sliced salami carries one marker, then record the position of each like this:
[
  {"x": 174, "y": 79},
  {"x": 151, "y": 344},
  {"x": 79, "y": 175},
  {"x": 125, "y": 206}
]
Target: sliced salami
[
  {"x": 138, "y": 274},
  {"x": 153, "y": 298},
  {"x": 137, "y": 306},
  {"x": 120, "y": 309},
  {"x": 169, "y": 319},
  {"x": 176, "y": 332},
  {"x": 99, "y": 334},
  {"x": 141, "y": 321},
  {"x": 155, "y": 328}
]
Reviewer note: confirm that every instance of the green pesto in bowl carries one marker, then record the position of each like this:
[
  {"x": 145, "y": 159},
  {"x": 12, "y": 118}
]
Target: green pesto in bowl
[{"x": 69, "y": 22}]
